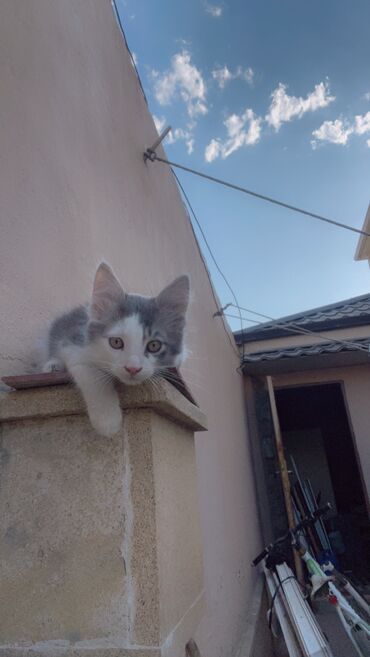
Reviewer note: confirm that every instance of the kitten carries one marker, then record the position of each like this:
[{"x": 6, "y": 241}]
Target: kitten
[{"x": 118, "y": 336}]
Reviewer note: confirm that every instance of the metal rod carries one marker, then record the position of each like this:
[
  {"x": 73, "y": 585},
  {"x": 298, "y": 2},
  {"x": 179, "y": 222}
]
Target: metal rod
[{"x": 150, "y": 152}]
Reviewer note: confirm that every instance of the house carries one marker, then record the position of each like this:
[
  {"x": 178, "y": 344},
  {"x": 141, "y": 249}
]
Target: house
[{"x": 319, "y": 361}]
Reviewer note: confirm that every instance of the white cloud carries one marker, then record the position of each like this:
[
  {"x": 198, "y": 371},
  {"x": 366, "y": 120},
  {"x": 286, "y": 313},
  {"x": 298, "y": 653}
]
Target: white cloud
[
  {"x": 367, "y": 95},
  {"x": 213, "y": 150},
  {"x": 185, "y": 79},
  {"x": 248, "y": 75},
  {"x": 214, "y": 10},
  {"x": 242, "y": 130},
  {"x": 339, "y": 131},
  {"x": 159, "y": 123},
  {"x": 335, "y": 132},
  {"x": 284, "y": 107},
  {"x": 223, "y": 75},
  {"x": 175, "y": 135},
  {"x": 362, "y": 123}
]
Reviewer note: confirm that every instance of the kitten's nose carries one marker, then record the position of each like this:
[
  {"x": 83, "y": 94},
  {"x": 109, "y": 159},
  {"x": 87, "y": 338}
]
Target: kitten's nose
[{"x": 133, "y": 370}]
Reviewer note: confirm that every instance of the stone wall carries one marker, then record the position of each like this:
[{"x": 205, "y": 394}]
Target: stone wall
[{"x": 102, "y": 550}]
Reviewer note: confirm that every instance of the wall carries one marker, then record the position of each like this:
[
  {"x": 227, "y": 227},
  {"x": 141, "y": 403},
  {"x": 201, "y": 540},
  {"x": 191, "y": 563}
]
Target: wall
[
  {"x": 74, "y": 190},
  {"x": 101, "y": 546},
  {"x": 356, "y": 388}
]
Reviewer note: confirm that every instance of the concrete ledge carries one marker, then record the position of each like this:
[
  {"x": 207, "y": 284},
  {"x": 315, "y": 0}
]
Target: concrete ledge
[{"x": 163, "y": 398}]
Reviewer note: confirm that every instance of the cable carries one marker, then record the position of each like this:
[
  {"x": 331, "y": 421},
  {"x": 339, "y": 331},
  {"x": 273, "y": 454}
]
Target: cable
[
  {"x": 326, "y": 338},
  {"x": 215, "y": 263},
  {"x": 153, "y": 156},
  {"x": 295, "y": 328},
  {"x": 292, "y": 328},
  {"x": 245, "y": 319},
  {"x": 281, "y": 582}
]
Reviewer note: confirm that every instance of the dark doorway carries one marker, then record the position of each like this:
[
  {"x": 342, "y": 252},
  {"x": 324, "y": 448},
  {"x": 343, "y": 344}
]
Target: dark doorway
[{"x": 316, "y": 429}]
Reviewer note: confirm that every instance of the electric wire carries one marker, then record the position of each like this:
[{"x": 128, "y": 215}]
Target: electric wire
[
  {"x": 279, "y": 586},
  {"x": 296, "y": 328},
  {"x": 291, "y": 328},
  {"x": 154, "y": 157},
  {"x": 347, "y": 343},
  {"x": 215, "y": 263}
]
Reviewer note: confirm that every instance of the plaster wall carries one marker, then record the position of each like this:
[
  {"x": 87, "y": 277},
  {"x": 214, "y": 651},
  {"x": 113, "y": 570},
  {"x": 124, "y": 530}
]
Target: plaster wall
[{"x": 74, "y": 190}]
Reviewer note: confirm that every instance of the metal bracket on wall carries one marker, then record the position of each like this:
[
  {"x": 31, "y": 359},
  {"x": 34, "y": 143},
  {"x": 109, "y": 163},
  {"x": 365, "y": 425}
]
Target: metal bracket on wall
[{"x": 150, "y": 153}]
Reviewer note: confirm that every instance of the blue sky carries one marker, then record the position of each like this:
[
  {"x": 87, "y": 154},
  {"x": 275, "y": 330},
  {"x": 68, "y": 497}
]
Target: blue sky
[{"x": 275, "y": 96}]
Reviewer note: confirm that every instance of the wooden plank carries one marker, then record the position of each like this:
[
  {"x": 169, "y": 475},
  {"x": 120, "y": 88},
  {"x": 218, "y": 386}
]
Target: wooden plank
[
  {"x": 284, "y": 472},
  {"x": 39, "y": 380}
]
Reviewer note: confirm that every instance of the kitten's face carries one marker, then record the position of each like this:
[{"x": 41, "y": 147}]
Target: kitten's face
[{"x": 131, "y": 336}]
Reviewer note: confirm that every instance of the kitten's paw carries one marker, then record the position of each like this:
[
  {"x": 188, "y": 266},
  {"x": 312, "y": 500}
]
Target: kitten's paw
[
  {"x": 53, "y": 365},
  {"x": 107, "y": 423}
]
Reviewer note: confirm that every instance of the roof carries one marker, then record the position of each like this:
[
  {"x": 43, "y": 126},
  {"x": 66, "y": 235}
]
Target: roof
[
  {"x": 343, "y": 314},
  {"x": 318, "y": 356},
  {"x": 307, "y": 350}
]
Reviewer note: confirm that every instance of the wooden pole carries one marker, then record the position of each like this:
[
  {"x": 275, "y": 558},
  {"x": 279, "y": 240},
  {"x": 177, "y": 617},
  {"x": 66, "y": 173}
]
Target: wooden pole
[{"x": 284, "y": 473}]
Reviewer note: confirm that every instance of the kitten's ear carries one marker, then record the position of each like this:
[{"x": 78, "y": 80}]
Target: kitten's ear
[
  {"x": 107, "y": 292},
  {"x": 176, "y": 295}
]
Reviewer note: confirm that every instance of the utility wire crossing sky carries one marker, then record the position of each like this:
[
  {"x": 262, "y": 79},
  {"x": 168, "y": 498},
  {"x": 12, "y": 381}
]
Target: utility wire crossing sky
[{"x": 275, "y": 96}]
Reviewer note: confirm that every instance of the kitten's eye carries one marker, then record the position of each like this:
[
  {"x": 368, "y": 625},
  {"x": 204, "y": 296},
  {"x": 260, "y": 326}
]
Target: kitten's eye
[
  {"x": 154, "y": 346},
  {"x": 116, "y": 343}
]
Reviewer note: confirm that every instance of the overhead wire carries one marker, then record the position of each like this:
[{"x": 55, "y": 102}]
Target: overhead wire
[
  {"x": 291, "y": 328},
  {"x": 152, "y": 155},
  {"x": 186, "y": 197},
  {"x": 296, "y": 329}
]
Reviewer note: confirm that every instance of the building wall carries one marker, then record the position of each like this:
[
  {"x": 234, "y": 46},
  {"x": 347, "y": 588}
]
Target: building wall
[
  {"x": 74, "y": 190},
  {"x": 356, "y": 388}
]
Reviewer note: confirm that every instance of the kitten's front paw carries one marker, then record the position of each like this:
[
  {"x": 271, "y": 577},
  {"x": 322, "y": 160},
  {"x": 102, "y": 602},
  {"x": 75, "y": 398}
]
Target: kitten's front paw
[{"x": 106, "y": 423}]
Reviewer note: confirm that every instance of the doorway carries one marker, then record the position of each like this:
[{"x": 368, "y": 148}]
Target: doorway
[{"x": 317, "y": 434}]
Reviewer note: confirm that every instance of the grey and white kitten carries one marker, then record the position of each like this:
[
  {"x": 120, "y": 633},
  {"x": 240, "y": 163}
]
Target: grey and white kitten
[{"x": 118, "y": 336}]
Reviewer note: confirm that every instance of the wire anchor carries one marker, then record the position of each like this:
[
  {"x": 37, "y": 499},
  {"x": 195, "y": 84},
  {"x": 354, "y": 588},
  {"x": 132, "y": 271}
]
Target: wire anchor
[{"x": 150, "y": 153}]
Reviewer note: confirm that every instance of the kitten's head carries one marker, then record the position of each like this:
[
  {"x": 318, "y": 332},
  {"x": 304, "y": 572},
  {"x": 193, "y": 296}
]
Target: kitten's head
[{"x": 132, "y": 336}]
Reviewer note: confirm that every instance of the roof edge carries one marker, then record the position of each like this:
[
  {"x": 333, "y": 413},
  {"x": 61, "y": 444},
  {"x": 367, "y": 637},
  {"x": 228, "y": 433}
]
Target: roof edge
[{"x": 253, "y": 334}]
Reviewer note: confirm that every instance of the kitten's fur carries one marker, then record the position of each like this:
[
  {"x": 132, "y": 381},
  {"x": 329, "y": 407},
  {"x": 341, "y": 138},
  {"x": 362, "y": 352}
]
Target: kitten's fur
[{"x": 80, "y": 341}]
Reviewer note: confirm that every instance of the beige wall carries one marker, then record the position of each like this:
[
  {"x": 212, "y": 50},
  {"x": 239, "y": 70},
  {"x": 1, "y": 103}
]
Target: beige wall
[
  {"x": 356, "y": 388},
  {"x": 74, "y": 190}
]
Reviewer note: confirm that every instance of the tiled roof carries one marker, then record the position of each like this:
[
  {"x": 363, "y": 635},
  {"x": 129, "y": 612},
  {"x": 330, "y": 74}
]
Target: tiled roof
[
  {"x": 308, "y": 350},
  {"x": 351, "y": 312}
]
